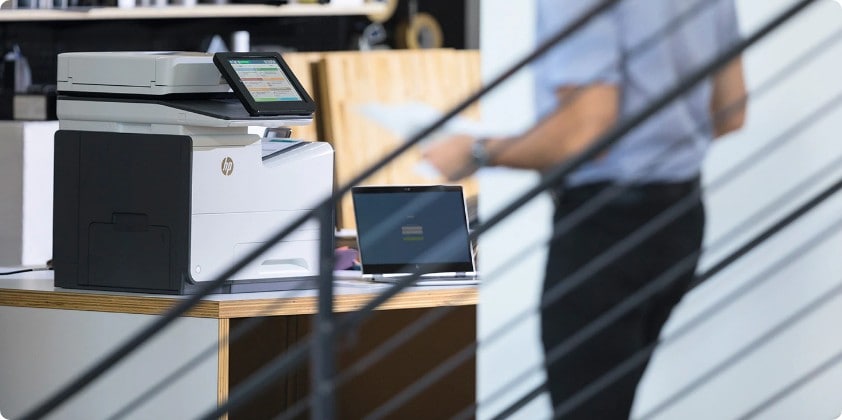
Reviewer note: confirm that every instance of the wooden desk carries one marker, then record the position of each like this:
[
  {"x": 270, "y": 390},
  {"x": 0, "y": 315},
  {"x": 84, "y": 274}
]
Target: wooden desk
[{"x": 48, "y": 336}]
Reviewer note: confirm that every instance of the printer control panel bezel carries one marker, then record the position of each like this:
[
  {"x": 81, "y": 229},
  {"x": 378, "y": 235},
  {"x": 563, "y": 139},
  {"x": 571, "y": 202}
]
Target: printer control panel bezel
[{"x": 304, "y": 106}]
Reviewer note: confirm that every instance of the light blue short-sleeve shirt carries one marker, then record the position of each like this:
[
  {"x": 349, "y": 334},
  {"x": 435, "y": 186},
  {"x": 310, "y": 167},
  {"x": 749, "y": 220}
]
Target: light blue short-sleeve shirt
[{"x": 644, "y": 47}]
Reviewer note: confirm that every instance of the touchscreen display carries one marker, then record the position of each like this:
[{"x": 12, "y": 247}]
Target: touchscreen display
[
  {"x": 264, "y": 80},
  {"x": 264, "y": 84}
]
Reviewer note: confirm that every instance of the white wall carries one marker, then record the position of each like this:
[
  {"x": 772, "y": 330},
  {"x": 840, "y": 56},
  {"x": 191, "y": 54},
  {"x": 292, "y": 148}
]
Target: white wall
[
  {"x": 785, "y": 290},
  {"x": 508, "y": 295}
]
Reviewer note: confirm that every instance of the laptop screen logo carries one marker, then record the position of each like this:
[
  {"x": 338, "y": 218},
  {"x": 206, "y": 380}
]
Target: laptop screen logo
[{"x": 412, "y": 233}]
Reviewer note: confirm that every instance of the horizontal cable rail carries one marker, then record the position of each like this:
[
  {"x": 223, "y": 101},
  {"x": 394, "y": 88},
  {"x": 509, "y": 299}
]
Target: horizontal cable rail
[
  {"x": 354, "y": 319},
  {"x": 624, "y": 307},
  {"x": 769, "y": 232},
  {"x": 467, "y": 352},
  {"x": 133, "y": 343},
  {"x": 283, "y": 363},
  {"x": 725, "y": 240},
  {"x": 417, "y": 202},
  {"x": 438, "y": 313},
  {"x": 830, "y": 363},
  {"x": 748, "y": 349}
]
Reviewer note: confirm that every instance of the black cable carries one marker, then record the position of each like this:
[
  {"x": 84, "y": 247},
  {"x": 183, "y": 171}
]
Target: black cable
[
  {"x": 439, "y": 372},
  {"x": 802, "y": 313},
  {"x": 730, "y": 174},
  {"x": 806, "y": 378},
  {"x": 774, "y": 206},
  {"x": 25, "y": 270},
  {"x": 394, "y": 341},
  {"x": 751, "y": 244},
  {"x": 767, "y": 149},
  {"x": 756, "y": 281},
  {"x": 416, "y": 327},
  {"x": 552, "y": 178},
  {"x": 561, "y": 171},
  {"x": 660, "y": 283},
  {"x": 246, "y": 326},
  {"x": 174, "y": 313}
]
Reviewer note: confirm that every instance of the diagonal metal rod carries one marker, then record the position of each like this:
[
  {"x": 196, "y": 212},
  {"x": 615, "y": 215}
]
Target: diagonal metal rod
[
  {"x": 763, "y": 214},
  {"x": 758, "y": 280},
  {"x": 86, "y": 378},
  {"x": 746, "y": 350},
  {"x": 246, "y": 326},
  {"x": 598, "y": 324},
  {"x": 596, "y": 203},
  {"x": 665, "y": 279},
  {"x": 561, "y": 171},
  {"x": 637, "y": 49},
  {"x": 794, "y": 386},
  {"x": 552, "y": 178},
  {"x": 641, "y": 356}
]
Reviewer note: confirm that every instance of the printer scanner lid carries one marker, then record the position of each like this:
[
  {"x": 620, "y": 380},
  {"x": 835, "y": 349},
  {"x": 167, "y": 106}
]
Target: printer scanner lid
[{"x": 139, "y": 73}]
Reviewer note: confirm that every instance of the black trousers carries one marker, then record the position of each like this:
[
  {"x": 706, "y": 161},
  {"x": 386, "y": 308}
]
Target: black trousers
[{"x": 612, "y": 284}]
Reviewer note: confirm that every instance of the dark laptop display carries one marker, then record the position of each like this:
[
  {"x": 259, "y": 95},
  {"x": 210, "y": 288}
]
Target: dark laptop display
[{"x": 403, "y": 229}]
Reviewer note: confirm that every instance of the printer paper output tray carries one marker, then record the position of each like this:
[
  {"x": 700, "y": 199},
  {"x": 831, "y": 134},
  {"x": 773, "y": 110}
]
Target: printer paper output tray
[{"x": 217, "y": 112}]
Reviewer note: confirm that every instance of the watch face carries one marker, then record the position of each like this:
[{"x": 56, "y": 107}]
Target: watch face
[{"x": 479, "y": 152}]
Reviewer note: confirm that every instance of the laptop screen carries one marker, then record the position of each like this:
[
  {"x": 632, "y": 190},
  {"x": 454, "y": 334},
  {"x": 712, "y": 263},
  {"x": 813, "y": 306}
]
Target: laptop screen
[{"x": 404, "y": 229}]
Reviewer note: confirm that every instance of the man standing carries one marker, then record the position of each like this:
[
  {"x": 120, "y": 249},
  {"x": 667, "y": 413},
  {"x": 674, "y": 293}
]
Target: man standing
[{"x": 584, "y": 86}]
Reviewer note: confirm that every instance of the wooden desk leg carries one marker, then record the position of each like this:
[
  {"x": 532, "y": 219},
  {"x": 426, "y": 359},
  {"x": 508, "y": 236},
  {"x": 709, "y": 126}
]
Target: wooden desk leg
[{"x": 222, "y": 360}]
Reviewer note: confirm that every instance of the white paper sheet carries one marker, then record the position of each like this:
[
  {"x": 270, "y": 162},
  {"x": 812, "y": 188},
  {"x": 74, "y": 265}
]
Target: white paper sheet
[{"x": 407, "y": 119}]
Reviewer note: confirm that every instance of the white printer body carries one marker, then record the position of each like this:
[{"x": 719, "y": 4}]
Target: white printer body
[{"x": 160, "y": 186}]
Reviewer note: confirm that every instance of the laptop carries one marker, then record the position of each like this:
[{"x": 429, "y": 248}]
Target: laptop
[{"x": 406, "y": 229}]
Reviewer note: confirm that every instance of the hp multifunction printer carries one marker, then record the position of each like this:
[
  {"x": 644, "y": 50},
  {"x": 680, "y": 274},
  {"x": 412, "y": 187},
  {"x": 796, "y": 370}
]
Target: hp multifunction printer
[{"x": 159, "y": 185}]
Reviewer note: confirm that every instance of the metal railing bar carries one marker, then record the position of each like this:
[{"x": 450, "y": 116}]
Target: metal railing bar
[
  {"x": 598, "y": 201},
  {"x": 643, "y": 45},
  {"x": 794, "y": 386},
  {"x": 565, "y": 168},
  {"x": 746, "y": 350},
  {"x": 395, "y": 341},
  {"x": 83, "y": 380},
  {"x": 642, "y": 355},
  {"x": 685, "y": 263},
  {"x": 756, "y": 281}
]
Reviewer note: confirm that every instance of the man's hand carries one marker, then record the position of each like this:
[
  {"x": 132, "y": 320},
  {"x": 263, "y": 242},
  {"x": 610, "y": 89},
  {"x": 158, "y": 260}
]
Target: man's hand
[{"x": 452, "y": 156}]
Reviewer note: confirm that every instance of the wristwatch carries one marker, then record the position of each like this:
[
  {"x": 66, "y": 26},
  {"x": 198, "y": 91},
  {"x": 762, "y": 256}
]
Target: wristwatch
[{"x": 480, "y": 156}]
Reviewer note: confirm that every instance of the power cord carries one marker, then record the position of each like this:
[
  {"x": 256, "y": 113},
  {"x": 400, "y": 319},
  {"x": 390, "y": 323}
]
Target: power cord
[
  {"x": 26, "y": 270},
  {"x": 48, "y": 267}
]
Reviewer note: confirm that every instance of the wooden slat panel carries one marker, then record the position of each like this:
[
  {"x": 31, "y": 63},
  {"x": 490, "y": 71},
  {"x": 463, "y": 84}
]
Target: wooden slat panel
[
  {"x": 301, "y": 65},
  {"x": 365, "y": 385},
  {"x": 348, "y": 80}
]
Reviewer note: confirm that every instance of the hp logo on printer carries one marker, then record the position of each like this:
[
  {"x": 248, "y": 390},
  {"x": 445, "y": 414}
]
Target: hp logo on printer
[{"x": 227, "y": 166}]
